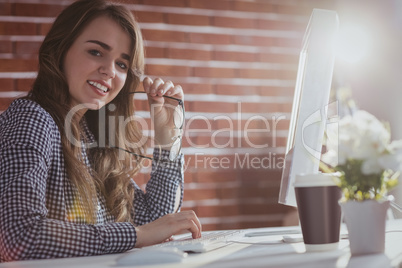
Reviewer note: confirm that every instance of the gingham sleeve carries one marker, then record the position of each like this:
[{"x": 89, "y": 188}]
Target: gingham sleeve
[
  {"x": 27, "y": 140},
  {"x": 160, "y": 195}
]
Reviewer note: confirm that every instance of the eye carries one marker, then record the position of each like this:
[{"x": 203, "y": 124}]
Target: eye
[
  {"x": 122, "y": 65},
  {"x": 95, "y": 52}
]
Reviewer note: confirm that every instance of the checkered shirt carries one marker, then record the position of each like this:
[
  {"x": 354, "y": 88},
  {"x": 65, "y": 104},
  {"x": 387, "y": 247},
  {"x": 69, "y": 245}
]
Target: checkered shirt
[{"x": 40, "y": 210}]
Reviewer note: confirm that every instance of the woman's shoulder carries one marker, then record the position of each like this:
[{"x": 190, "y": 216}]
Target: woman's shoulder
[
  {"x": 25, "y": 104},
  {"x": 25, "y": 112}
]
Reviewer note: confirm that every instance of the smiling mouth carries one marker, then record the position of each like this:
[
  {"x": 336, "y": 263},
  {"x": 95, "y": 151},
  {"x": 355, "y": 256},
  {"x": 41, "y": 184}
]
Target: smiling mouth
[{"x": 99, "y": 86}]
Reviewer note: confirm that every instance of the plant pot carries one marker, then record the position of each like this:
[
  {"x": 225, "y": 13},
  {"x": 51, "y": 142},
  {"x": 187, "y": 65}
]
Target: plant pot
[{"x": 365, "y": 222}]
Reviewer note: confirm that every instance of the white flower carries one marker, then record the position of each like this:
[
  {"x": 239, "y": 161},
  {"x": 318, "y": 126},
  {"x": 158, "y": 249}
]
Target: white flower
[
  {"x": 361, "y": 144},
  {"x": 362, "y": 136},
  {"x": 371, "y": 166},
  {"x": 330, "y": 158},
  {"x": 369, "y": 134},
  {"x": 392, "y": 158}
]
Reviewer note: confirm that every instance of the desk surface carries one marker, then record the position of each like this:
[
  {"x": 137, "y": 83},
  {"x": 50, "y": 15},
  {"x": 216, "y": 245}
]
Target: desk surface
[{"x": 246, "y": 253}]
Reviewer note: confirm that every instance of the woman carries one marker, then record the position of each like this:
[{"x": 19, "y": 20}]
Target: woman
[{"x": 65, "y": 189}]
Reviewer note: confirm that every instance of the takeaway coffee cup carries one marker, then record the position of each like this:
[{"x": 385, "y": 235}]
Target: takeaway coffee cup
[{"x": 317, "y": 199}]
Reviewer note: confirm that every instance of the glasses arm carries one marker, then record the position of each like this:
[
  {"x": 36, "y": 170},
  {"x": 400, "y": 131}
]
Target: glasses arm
[{"x": 138, "y": 155}]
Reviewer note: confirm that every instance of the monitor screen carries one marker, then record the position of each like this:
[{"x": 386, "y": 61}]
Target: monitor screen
[{"x": 310, "y": 101}]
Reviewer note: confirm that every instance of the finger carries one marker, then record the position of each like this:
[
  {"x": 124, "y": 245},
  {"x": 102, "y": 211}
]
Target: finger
[
  {"x": 147, "y": 82},
  {"x": 164, "y": 88},
  {"x": 176, "y": 91},
  {"x": 198, "y": 223},
  {"x": 158, "y": 82},
  {"x": 195, "y": 224},
  {"x": 195, "y": 232},
  {"x": 187, "y": 226},
  {"x": 169, "y": 239}
]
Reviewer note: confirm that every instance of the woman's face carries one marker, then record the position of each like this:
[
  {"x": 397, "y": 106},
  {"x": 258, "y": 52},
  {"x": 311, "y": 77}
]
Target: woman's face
[{"x": 96, "y": 64}]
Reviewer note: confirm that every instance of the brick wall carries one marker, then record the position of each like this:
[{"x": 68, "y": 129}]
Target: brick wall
[{"x": 237, "y": 63}]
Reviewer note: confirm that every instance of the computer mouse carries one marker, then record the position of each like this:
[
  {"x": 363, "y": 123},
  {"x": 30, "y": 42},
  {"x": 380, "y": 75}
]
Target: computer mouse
[{"x": 152, "y": 255}]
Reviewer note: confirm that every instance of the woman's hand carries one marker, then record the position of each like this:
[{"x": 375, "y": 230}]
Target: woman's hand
[
  {"x": 163, "y": 228},
  {"x": 162, "y": 109}
]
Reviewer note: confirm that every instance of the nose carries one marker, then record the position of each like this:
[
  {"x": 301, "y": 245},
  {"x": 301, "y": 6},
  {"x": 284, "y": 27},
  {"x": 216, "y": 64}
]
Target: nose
[{"x": 108, "y": 69}]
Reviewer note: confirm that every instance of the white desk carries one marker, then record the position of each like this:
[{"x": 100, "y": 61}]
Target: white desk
[{"x": 272, "y": 254}]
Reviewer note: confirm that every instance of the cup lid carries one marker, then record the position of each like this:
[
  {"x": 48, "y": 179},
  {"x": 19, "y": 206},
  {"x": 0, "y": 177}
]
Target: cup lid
[{"x": 317, "y": 179}]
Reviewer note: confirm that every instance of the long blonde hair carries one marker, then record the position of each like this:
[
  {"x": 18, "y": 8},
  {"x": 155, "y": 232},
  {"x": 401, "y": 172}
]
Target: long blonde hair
[{"x": 110, "y": 174}]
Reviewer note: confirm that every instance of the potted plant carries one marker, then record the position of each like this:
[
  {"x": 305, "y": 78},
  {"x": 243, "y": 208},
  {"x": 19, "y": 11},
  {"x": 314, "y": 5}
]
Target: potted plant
[{"x": 360, "y": 150}]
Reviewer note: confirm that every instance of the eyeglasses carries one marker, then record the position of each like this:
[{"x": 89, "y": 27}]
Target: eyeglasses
[{"x": 178, "y": 120}]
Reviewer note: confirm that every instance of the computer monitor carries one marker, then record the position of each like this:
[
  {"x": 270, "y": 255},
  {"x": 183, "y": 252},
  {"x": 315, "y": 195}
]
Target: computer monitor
[{"x": 311, "y": 97}]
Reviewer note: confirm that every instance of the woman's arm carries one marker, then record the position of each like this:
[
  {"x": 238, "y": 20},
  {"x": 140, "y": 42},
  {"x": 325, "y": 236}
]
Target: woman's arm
[
  {"x": 161, "y": 195},
  {"x": 164, "y": 192},
  {"x": 157, "y": 207}
]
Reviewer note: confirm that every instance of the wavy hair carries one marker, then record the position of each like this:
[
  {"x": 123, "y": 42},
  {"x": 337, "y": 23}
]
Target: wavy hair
[{"x": 110, "y": 174}]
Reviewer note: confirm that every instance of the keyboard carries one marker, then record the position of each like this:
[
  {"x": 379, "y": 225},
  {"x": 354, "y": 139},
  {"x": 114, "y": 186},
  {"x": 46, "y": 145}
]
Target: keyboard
[{"x": 207, "y": 242}]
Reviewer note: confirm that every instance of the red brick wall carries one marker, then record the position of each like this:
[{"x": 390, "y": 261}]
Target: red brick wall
[{"x": 237, "y": 63}]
